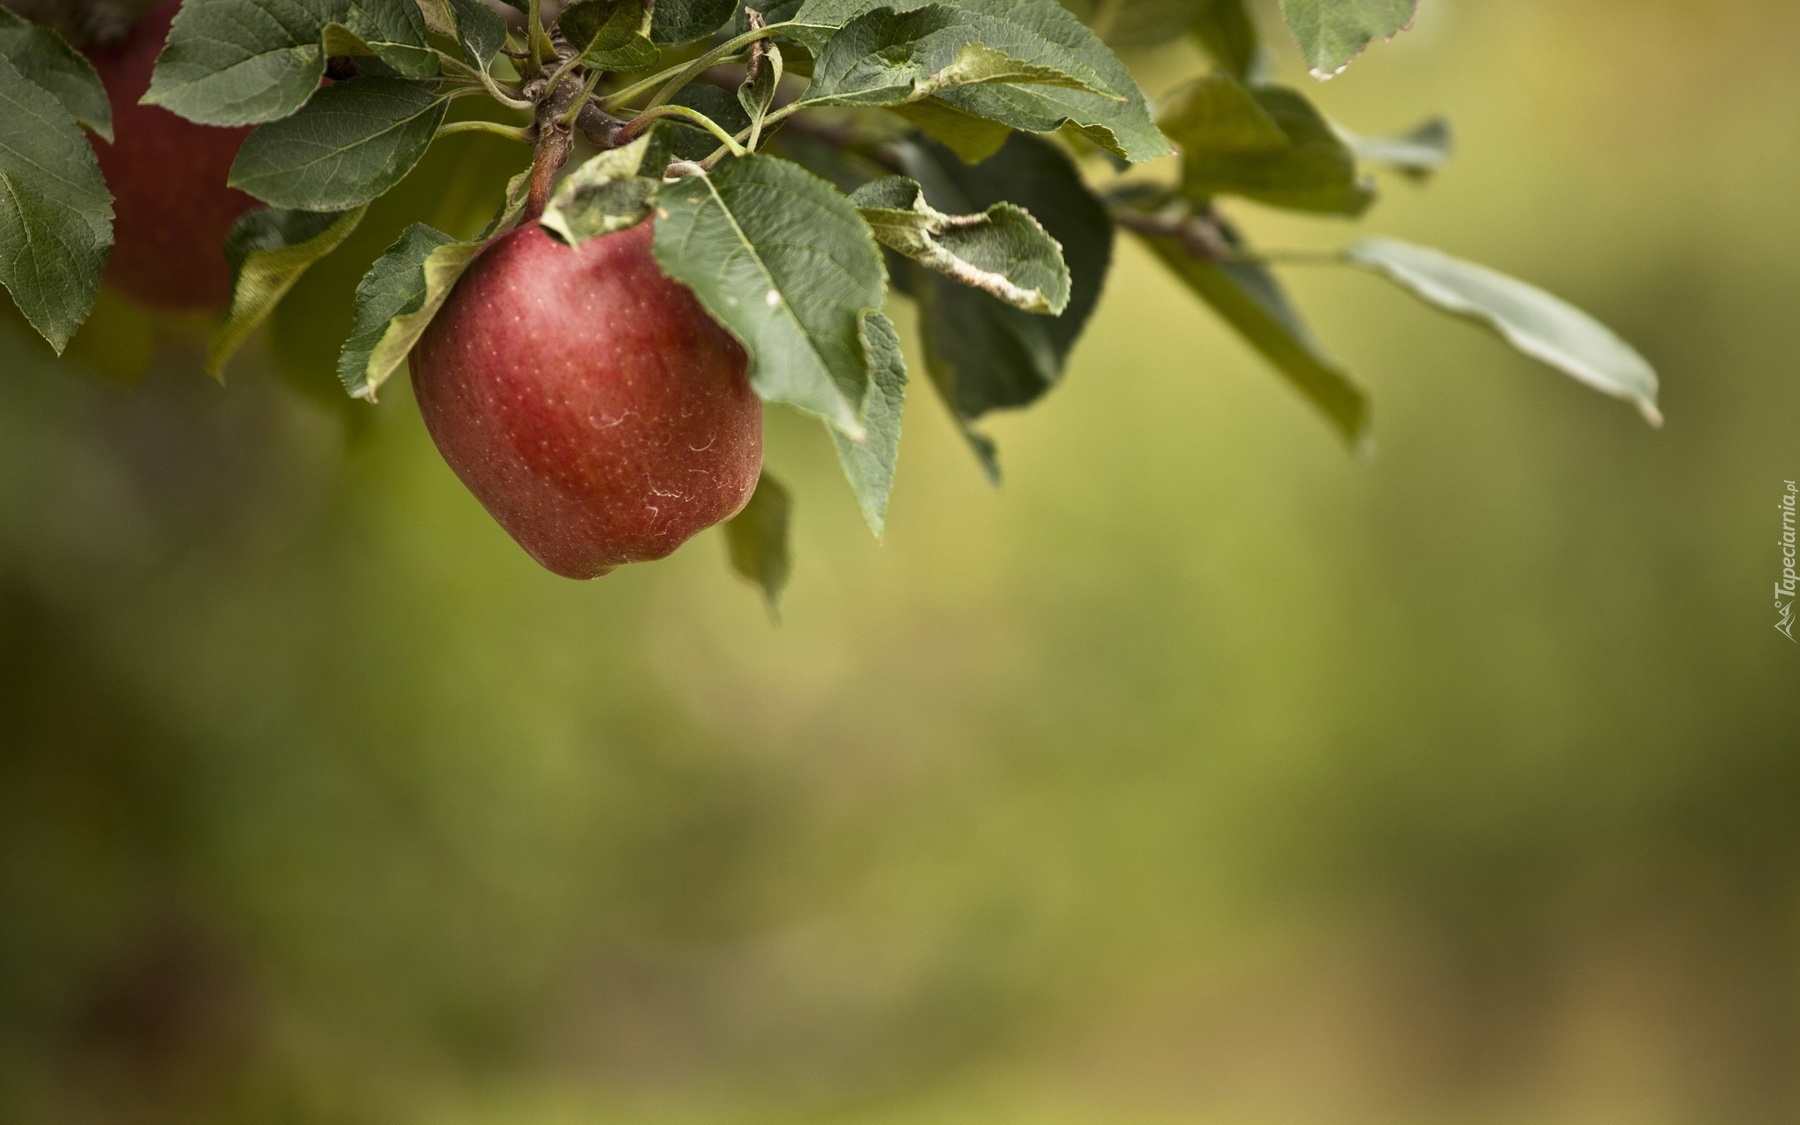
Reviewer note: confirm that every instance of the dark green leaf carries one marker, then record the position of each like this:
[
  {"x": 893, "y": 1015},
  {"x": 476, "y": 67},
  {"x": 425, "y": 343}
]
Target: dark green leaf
[
  {"x": 404, "y": 289},
  {"x": 55, "y": 212},
  {"x": 1122, "y": 127},
  {"x": 756, "y": 539},
  {"x": 1544, "y": 327},
  {"x": 42, "y": 56},
  {"x": 870, "y": 464},
  {"x": 349, "y": 144},
  {"x": 1417, "y": 154},
  {"x": 243, "y": 62},
  {"x": 1331, "y": 33},
  {"x": 269, "y": 249},
  {"x": 1249, "y": 298},
  {"x": 1228, "y": 148},
  {"x": 783, "y": 260},
  {"x": 479, "y": 29},
  {"x": 604, "y": 195},
  {"x": 683, "y": 21},
  {"x": 609, "y": 34},
  {"x": 982, "y": 354},
  {"x": 1002, "y": 251}
]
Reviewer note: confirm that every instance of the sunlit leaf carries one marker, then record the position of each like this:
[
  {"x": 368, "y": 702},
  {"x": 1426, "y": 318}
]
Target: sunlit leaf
[{"x": 269, "y": 250}]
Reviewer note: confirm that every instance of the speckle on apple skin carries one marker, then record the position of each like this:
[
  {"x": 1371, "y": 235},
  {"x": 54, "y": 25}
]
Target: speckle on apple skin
[{"x": 588, "y": 401}]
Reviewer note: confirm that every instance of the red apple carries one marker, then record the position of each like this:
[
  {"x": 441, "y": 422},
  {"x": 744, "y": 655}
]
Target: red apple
[
  {"x": 171, "y": 207},
  {"x": 588, "y": 401}
]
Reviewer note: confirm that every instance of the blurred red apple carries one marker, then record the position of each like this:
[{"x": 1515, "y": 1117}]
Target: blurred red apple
[
  {"x": 171, "y": 207},
  {"x": 588, "y": 401}
]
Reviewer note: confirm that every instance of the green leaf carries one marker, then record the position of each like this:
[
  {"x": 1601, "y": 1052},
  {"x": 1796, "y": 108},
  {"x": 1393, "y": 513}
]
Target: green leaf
[
  {"x": 674, "y": 139},
  {"x": 269, "y": 249},
  {"x": 756, "y": 539},
  {"x": 1002, "y": 251},
  {"x": 348, "y": 145},
  {"x": 55, "y": 212},
  {"x": 42, "y": 57},
  {"x": 609, "y": 34},
  {"x": 884, "y": 57},
  {"x": 1228, "y": 148},
  {"x": 756, "y": 94},
  {"x": 870, "y": 464},
  {"x": 604, "y": 195},
  {"x": 405, "y": 288},
  {"x": 1249, "y": 298},
  {"x": 1227, "y": 31},
  {"x": 1122, "y": 127},
  {"x": 1416, "y": 155},
  {"x": 1544, "y": 327},
  {"x": 682, "y": 21},
  {"x": 480, "y": 31},
  {"x": 243, "y": 62},
  {"x": 1331, "y": 33},
  {"x": 982, "y": 354},
  {"x": 972, "y": 138},
  {"x": 781, "y": 259}
]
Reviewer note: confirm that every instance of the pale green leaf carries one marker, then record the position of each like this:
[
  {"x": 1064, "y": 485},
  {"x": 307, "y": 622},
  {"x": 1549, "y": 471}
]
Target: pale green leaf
[
  {"x": 1416, "y": 154},
  {"x": 42, "y": 57},
  {"x": 347, "y": 146},
  {"x": 269, "y": 249},
  {"x": 405, "y": 288},
  {"x": 605, "y": 194},
  {"x": 1542, "y": 326},
  {"x": 884, "y": 57},
  {"x": 1002, "y": 251},
  {"x": 981, "y": 353},
  {"x": 756, "y": 539},
  {"x": 869, "y": 464},
  {"x": 781, "y": 259},
  {"x": 1122, "y": 126},
  {"x": 1331, "y": 33},
  {"x": 55, "y": 211},
  {"x": 972, "y": 138}
]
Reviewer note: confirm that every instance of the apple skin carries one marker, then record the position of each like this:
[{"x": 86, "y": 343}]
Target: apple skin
[
  {"x": 171, "y": 208},
  {"x": 588, "y": 401}
]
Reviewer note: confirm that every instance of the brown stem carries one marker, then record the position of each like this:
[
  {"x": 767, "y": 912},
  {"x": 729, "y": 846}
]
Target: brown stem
[
  {"x": 552, "y": 151},
  {"x": 1200, "y": 237}
]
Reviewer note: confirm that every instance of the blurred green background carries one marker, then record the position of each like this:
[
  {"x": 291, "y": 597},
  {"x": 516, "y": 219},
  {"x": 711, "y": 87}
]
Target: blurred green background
[{"x": 1201, "y": 774}]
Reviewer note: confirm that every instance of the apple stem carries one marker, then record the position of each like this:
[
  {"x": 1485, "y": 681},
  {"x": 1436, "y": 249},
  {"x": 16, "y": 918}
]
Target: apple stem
[{"x": 552, "y": 151}]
